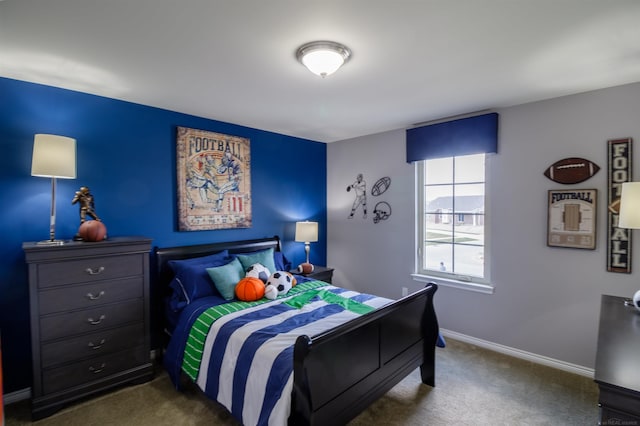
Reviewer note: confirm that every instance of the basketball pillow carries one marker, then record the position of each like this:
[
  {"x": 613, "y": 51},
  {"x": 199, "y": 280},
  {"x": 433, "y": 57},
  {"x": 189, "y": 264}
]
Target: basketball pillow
[
  {"x": 92, "y": 230},
  {"x": 249, "y": 289}
]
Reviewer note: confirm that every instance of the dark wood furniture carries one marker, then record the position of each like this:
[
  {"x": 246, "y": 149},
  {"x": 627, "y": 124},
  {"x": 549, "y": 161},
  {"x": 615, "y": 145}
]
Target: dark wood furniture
[
  {"x": 618, "y": 362},
  {"x": 89, "y": 318},
  {"x": 321, "y": 273},
  {"x": 339, "y": 373}
]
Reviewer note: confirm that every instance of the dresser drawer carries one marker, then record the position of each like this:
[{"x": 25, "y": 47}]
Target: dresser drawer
[
  {"x": 83, "y": 372},
  {"x": 89, "y": 269},
  {"x": 68, "y": 298},
  {"x": 94, "y": 344},
  {"x": 90, "y": 320}
]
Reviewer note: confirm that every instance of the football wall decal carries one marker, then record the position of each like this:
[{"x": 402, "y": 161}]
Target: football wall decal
[
  {"x": 381, "y": 186},
  {"x": 571, "y": 170}
]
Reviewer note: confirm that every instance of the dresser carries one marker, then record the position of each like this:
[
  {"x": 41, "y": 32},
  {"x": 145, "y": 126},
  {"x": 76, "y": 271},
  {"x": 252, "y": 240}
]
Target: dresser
[
  {"x": 90, "y": 328},
  {"x": 617, "y": 370}
]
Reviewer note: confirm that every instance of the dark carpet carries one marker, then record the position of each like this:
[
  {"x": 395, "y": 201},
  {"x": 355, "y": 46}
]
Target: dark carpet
[{"x": 474, "y": 386}]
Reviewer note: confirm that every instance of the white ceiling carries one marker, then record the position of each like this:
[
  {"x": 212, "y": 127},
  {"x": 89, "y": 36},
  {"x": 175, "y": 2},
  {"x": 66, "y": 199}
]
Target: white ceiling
[{"x": 234, "y": 60}]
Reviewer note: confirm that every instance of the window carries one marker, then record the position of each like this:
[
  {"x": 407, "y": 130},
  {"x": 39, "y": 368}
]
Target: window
[
  {"x": 450, "y": 158},
  {"x": 451, "y": 219}
]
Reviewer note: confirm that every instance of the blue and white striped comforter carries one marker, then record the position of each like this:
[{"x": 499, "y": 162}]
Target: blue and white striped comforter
[{"x": 247, "y": 356}]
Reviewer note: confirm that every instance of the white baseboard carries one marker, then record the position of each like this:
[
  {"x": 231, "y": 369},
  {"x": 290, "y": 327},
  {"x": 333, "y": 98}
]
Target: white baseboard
[
  {"x": 19, "y": 395},
  {"x": 517, "y": 353}
]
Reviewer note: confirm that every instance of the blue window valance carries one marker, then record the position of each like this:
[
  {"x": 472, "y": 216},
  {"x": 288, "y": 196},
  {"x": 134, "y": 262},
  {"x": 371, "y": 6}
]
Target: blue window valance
[{"x": 465, "y": 136}]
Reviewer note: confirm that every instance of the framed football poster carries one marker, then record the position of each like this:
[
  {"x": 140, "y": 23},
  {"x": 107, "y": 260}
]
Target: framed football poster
[
  {"x": 572, "y": 218},
  {"x": 214, "y": 180}
]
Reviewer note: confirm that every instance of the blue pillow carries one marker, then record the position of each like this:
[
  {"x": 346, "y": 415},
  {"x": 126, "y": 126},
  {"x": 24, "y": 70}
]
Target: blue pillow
[
  {"x": 282, "y": 263},
  {"x": 264, "y": 257},
  {"x": 177, "y": 299},
  {"x": 218, "y": 257},
  {"x": 226, "y": 277},
  {"x": 191, "y": 280}
]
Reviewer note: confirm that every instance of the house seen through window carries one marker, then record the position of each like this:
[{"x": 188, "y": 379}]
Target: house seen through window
[{"x": 451, "y": 223}]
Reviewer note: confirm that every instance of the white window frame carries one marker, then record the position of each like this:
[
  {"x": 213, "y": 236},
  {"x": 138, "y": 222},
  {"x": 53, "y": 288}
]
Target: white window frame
[{"x": 477, "y": 284}]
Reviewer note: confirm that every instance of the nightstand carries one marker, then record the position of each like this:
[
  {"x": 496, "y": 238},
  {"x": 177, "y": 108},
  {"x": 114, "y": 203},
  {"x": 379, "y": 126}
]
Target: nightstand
[
  {"x": 321, "y": 273},
  {"x": 89, "y": 318}
]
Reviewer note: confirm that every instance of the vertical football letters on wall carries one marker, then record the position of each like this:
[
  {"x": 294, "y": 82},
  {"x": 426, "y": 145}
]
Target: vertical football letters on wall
[
  {"x": 572, "y": 218},
  {"x": 618, "y": 239},
  {"x": 214, "y": 180}
]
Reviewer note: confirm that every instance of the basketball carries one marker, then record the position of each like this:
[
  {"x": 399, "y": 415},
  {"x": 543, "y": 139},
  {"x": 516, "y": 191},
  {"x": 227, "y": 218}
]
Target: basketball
[
  {"x": 249, "y": 289},
  {"x": 92, "y": 230}
]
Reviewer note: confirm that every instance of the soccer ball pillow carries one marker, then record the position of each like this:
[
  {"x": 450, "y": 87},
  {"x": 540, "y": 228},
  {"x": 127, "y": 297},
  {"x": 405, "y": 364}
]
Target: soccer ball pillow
[
  {"x": 636, "y": 300},
  {"x": 258, "y": 270},
  {"x": 281, "y": 281}
]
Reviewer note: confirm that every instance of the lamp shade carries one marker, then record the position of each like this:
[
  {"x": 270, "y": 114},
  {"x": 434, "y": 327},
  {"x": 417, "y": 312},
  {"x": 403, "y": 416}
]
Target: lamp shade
[
  {"x": 629, "y": 216},
  {"x": 307, "y": 232},
  {"x": 54, "y": 156}
]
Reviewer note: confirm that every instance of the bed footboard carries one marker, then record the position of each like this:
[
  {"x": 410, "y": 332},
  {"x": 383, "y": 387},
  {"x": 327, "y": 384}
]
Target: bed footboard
[{"x": 339, "y": 373}]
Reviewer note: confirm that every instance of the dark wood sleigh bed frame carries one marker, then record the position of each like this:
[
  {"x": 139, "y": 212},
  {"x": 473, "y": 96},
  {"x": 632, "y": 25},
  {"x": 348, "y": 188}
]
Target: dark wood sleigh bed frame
[{"x": 339, "y": 373}]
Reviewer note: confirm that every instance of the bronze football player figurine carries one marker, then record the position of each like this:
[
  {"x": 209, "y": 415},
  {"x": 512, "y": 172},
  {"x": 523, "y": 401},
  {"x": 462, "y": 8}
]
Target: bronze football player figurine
[{"x": 87, "y": 205}]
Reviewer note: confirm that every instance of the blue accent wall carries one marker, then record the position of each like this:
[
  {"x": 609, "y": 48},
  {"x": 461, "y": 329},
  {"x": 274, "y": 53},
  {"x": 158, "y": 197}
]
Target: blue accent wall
[{"x": 126, "y": 156}]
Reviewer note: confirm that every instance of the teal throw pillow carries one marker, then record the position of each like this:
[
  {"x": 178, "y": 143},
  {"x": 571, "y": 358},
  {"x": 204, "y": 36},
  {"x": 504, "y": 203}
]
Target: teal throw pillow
[
  {"x": 226, "y": 277},
  {"x": 265, "y": 257}
]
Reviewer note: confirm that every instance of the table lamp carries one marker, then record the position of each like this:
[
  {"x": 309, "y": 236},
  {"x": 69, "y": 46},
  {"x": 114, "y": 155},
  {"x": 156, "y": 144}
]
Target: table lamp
[
  {"x": 306, "y": 232},
  {"x": 54, "y": 157},
  {"x": 629, "y": 216}
]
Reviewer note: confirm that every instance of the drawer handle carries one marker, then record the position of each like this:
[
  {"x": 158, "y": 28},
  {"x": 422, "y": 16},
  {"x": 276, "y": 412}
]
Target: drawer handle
[
  {"x": 98, "y": 346},
  {"x": 91, "y": 296},
  {"x": 96, "y": 271},
  {"x": 95, "y": 322},
  {"x": 99, "y": 369}
]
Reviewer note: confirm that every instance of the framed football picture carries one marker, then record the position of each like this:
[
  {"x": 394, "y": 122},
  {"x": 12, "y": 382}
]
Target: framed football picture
[
  {"x": 214, "y": 180},
  {"x": 572, "y": 218}
]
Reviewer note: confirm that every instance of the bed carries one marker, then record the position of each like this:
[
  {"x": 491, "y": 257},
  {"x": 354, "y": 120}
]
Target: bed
[{"x": 335, "y": 373}]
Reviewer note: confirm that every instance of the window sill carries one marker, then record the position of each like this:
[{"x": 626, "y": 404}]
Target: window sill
[{"x": 463, "y": 285}]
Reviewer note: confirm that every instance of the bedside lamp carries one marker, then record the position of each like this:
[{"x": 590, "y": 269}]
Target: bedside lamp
[
  {"x": 306, "y": 232},
  {"x": 54, "y": 157},
  {"x": 629, "y": 216}
]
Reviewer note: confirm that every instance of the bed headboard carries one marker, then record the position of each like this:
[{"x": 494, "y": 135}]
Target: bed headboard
[{"x": 163, "y": 273}]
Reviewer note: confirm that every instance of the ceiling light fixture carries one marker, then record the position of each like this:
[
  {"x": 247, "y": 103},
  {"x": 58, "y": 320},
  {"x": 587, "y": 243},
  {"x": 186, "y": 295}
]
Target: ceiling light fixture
[{"x": 323, "y": 58}]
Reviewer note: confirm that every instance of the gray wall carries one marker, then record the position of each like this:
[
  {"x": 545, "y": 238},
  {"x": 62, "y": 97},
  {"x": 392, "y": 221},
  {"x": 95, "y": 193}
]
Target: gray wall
[{"x": 546, "y": 300}]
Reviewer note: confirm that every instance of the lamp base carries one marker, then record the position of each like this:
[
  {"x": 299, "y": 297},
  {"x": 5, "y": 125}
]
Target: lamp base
[{"x": 51, "y": 243}]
